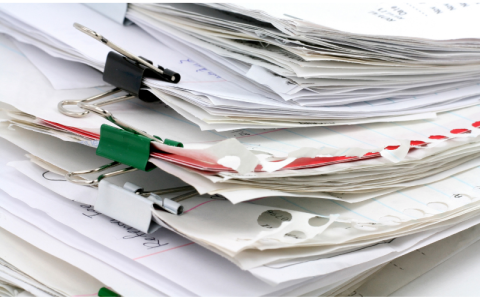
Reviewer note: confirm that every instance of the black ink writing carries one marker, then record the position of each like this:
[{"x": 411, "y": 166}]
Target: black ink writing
[
  {"x": 90, "y": 211},
  {"x": 150, "y": 242}
]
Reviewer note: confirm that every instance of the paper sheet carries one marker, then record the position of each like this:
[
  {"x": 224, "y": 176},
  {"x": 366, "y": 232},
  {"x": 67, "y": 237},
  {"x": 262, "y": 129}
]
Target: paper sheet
[
  {"x": 407, "y": 268},
  {"x": 379, "y": 19},
  {"x": 298, "y": 271},
  {"x": 454, "y": 277},
  {"x": 62, "y": 74},
  {"x": 49, "y": 270},
  {"x": 122, "y": 283},
  {"x": 31, "y": 290},
  {"x": 8, "y": 289}
]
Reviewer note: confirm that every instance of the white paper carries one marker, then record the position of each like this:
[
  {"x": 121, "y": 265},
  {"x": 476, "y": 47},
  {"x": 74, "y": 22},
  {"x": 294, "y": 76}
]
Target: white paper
[
  {"x": 407, "y": 268},
  {"x": 417, "y": 20},
  {"x": 122, "y": 283},
  {"x": 62, "y": 74},
  {"x": 49, "y": 270}
]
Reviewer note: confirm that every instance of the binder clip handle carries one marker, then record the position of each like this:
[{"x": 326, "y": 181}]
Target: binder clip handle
[
  {"x": 167, "y": 74},
  {"x": 174, "y": 76},
  {"x": 170, "y": 205},
  {"x": 167, "y": 204},
  {"x": 140, "y": 60},
  {"x": 79, "y": 114},
  {"x": 73, "y": 176}
]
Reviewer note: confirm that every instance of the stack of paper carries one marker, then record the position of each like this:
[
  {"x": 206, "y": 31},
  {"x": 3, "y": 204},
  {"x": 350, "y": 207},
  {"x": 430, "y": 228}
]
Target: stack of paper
[
  {"x": 350, "y": 67},
  {"x": 305, "y": 211},
  {"x": 231, "y": 72},
  {"x": 214, "y": 222}
]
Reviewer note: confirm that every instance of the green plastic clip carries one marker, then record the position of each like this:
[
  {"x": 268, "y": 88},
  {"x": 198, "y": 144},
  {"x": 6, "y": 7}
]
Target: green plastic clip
[
  {"x": 125, "y": 147},
  {"x": 170, "y": 142},
  {"x": 173, "y": 143},
  {"x": 128, "y": 148},
  {"x": 104, "y": 292}
]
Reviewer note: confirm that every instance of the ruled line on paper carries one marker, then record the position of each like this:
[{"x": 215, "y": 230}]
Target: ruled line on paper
[
  {"x": 200, "y": 205},
  {"x": 164, "y": 251}
]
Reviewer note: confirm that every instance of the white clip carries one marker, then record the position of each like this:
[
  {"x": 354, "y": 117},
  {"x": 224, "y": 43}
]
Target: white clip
[{"x": 125, "y": 206}]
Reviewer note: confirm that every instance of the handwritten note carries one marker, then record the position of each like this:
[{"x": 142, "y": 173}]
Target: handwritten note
[
  {"x": 402, "y": 11},
  {"x": 150, "y": 242},
  {"x": 199, "y": 67}
]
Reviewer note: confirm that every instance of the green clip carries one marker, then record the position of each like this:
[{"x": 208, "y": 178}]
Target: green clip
[
  {"x": 171, "y": 142},
  {"x": 125, "y": 147},
  {"x": 104, "y": 292}
]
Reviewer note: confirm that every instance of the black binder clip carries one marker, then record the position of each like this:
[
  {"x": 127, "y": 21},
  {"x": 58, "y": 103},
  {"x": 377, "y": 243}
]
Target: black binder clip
[
  {"x": 126, "y": 72},
  {"x": 128, "y": 75}
]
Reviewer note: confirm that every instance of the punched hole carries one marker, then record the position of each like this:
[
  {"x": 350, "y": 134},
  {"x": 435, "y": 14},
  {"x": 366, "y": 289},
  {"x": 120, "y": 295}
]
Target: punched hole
[{"x": 273, "y": 218}]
